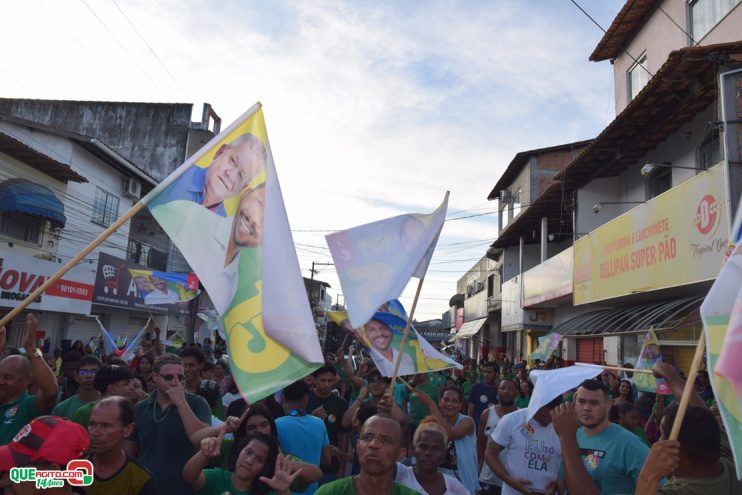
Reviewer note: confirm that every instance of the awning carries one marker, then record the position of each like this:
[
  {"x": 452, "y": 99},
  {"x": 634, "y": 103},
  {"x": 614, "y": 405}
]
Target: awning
[
  {"x": 469, "y": 329},
  {"x": 24, "y": 196},
  {"x": 661, "y": 316}
]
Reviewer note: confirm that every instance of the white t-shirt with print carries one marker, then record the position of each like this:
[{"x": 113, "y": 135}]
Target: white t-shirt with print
[
  {"x": 406, "y": 477},
  {"x": 532, "y": 451}
]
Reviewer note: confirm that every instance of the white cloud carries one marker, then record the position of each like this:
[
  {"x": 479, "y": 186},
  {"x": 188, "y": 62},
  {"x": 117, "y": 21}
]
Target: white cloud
[{"x": 396, "y": 101}]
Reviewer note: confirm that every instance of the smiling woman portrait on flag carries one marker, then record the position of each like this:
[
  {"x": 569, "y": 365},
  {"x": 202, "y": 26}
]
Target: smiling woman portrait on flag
[{"x": 225, "y": 213}]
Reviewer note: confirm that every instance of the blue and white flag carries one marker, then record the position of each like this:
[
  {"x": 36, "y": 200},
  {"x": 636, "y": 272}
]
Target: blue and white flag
[{"x": 375, "y": 261}]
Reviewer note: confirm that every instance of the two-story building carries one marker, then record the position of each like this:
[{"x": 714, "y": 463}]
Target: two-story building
[
  {"x": 71, "y": 169},
  {"x": 652, "y": 197}
]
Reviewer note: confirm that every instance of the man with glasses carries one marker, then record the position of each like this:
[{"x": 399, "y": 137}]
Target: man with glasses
[
  {"x": 165, "y": 422},
  {"x": 87, "y": 367}
]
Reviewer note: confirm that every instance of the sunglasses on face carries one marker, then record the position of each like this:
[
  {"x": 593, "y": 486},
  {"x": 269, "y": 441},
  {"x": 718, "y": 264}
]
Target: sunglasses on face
[
  {"x": 170, "y": 378},
  {"x": 87, "y": 372}
]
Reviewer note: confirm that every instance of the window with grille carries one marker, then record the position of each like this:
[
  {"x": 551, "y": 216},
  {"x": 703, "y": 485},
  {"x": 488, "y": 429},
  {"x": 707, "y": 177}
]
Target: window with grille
[
  {"x": 105, "y": 208},
  {"x": 22, "y": 228}
]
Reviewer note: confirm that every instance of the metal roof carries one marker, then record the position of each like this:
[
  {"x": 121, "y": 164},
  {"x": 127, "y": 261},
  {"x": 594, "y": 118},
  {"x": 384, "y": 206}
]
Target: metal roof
[{"x": 661, "y": 316}]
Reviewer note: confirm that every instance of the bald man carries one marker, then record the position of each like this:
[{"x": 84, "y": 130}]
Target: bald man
[
  {"x": 17, "y": 407},
  {"x": 379, "y": 446}
]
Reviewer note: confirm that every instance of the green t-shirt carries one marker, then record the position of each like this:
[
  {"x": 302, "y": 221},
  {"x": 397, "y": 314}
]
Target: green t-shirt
[
  {"x": 466, "y": 388},
  {"x": 639, "y": 432},
  {"x": 82, "y": 415},
  {"x": 522, "y": 402},
  {"x": 344, "y": 486},
  {"x": 417, "y": 410},
  {"x": 219, "y": 481},
  {"x": 437, "y": 379},
  {"x": 15, "y": 415},
  {"x": 67, "y": 407}
]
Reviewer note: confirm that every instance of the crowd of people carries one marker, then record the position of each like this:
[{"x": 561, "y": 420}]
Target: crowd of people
[{"x": 175, "y": 423}]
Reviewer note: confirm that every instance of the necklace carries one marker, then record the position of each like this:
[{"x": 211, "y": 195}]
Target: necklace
[{"x": 154, "y": 412}]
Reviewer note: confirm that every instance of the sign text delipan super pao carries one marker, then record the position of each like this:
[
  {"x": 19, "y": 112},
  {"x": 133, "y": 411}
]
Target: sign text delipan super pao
[{"x": 677, "y": 238}]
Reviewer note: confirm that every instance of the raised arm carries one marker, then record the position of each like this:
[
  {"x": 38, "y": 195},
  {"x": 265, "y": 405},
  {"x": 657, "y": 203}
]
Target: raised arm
[
  {"x": 193, "y": 471},
  {"x": 46, "y": 396},
  {"x": 564, "y": 419},
  {"x": 464, "y": 428}
]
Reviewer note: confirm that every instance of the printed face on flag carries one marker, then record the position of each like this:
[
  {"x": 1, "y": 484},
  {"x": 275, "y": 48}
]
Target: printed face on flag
[
  {"x": 247, "y": 226},
  {"x": 382, "y": 336},
  {"x": 222, "y": 210},
  {"x": 375, "y": 261}
]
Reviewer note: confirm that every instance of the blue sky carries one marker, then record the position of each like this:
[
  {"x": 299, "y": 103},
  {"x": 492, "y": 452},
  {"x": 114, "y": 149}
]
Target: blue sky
[{"x": 374, "y": 108}]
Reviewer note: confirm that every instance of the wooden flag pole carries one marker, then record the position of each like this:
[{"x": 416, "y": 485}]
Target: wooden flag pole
[
  {"x": 71, "y": 263},
  {"x": 688, "y": 390},
  {"x": 404, "y": 336}
]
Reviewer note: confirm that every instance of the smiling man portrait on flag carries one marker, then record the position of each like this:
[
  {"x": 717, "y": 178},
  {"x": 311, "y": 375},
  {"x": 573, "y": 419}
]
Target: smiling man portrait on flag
[{"x": 224, "y": 211}]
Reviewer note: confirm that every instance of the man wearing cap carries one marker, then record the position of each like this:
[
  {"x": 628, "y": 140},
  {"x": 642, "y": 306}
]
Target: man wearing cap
[
  {"x": 165, "y": 422},
  {"x": 48, "y": 443},
  {"x": 111, "y": 421},
  {"x": 17, "y": 407}
]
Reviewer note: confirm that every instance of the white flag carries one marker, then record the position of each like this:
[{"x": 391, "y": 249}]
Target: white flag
[
  {"x": 375, "y": 261},
  {"x": 549, "y": 384}
]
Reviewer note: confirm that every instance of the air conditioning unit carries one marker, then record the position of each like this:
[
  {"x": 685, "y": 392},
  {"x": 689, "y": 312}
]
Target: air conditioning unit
[
  {"x": 132, "y": 188},
  {"x": 504, "y": 195}
]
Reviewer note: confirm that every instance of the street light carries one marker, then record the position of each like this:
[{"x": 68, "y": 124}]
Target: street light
[
  {"x": 599, "y": 206},
  {"x": 649, "y": 167}
]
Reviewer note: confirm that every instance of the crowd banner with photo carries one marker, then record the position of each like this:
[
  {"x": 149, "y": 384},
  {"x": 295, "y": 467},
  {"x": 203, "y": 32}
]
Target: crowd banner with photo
[
  {"x": 546, "y": 346},
  {"x": 549, "y": 384},
  {"x": 648, "y": 356},
  {"x": 375, "y": 261},
  {"x": 721, "y": 313},
  {"x": 121, "y": 283},
  {"x": 156, "y": 287},
  {"x": 382, "y": 336},
  {"x": 224, "y": 211}
]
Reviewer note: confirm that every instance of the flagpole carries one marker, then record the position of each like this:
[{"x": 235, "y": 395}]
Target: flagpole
[
  {"x": 403, "y": 343},
  {"x": 71, "y": 263},
  {"x": 126, "y": 217},
  {"x": 688, "y": 390},
  {"x": 616, "y": 368}
]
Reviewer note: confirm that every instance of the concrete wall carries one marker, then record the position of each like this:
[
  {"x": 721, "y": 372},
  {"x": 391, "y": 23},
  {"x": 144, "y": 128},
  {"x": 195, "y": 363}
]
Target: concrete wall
[{"x": 153, "y": 136}]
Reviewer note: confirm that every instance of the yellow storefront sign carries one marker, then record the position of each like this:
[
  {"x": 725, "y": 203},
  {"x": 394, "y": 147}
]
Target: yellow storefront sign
[{"x": 677, "y": 238}]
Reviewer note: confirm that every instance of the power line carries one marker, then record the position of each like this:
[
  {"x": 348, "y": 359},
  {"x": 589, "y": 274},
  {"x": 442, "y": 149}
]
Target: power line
[
  {"x": 152, "y": 51},
  {"x": 128, "y": 54}
]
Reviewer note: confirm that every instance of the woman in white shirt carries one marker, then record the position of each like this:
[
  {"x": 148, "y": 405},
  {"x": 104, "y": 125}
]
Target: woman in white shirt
[{"x": 429, "y": 447}]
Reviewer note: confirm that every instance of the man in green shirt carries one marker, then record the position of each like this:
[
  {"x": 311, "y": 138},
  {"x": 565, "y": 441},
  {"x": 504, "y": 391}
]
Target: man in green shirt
[
  {"x": 111, "y": 380},
  {"x": 379, "y": 447},
  {"x": 87, "y": 367},
  {"x": 417, "y": 410},
  {"x": 17, "y": 407}
]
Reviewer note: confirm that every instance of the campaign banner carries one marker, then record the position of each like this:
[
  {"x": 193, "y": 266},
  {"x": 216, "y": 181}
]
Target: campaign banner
[
  {"x": 224, "y": 210},
  {"x": 20, "y": 275},
  {"x": 115, "y": 286},
  {"x": 648, "y": 357},
  {"x": 375, "y": 261},
  {"x": 382, "y": 336},
  {"x": 164, "y": 287},
  {"x": 676, "y": 238}
]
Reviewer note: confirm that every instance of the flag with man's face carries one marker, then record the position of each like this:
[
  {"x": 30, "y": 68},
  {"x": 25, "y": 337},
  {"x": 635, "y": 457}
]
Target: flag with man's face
[
  {"x": 223, "y": 209},
  {"x": 375, "y": 261},
  {"x": 721, "y": 313}
]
